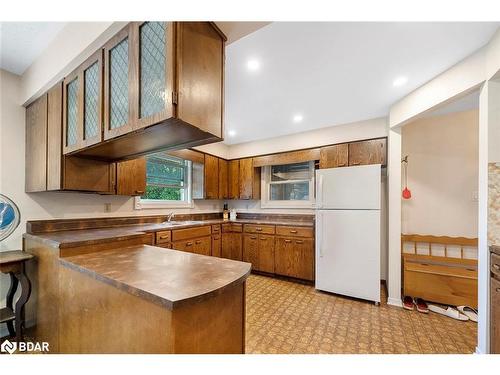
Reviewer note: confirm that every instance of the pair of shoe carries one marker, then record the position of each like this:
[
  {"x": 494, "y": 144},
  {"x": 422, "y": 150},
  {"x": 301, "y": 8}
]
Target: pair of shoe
[
  {"x": 410, "y": 303},
  {"x": 462, "y": 313}
]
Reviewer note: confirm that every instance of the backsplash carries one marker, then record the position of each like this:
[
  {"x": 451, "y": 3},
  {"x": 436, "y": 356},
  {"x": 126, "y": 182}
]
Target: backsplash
[{"x": 494, "y": 203}]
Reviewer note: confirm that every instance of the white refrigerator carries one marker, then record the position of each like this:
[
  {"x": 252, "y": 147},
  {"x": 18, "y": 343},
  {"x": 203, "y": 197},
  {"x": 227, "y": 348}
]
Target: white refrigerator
[{"x": 348, "y": 231}]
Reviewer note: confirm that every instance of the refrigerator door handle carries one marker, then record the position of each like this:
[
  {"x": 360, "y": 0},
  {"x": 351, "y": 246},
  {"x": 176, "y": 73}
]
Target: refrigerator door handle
[
  {"x": 319, "y": 234},
  {"x": 319, "y": 196}
]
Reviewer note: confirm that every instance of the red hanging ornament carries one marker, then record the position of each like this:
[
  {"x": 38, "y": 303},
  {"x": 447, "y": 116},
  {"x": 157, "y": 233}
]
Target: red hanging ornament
[{"x": 406, "y": 192}]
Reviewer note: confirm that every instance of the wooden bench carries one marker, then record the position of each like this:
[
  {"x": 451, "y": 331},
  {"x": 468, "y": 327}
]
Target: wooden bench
[{"x": 448, "y": 278}]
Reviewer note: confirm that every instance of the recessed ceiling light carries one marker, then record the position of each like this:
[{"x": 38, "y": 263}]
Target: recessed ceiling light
[
  {"x": 400, "y": 81},
  {"x": 253, "y": 65},
  {"x": 298, "y": 118},
  {"x": 231, "y": 133}
]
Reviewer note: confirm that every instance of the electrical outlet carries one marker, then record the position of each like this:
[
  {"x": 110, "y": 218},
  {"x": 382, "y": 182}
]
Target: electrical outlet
[{"x": 107, "y": 207}]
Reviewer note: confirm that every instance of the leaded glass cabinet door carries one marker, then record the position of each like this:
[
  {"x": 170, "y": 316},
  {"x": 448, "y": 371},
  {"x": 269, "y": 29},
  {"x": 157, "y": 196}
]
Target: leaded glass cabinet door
[
  {"x": 91, "y": 73},
  {"x": 82, "y": 106},
  {"x": 154, "y": 69},
  {"x": 118, "y": 78}
]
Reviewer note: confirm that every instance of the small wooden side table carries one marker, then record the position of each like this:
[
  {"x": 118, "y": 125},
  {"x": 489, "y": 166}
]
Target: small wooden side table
[{"x": 12, "y": 262}]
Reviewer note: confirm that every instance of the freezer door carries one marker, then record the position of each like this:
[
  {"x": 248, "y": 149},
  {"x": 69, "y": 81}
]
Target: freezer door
[
  {"x": 348, "y": 253},
  {"x": 355, "y": 188}
]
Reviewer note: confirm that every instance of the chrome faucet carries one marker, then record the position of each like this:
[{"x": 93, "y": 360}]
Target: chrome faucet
[{"x": 170, "y": 216}]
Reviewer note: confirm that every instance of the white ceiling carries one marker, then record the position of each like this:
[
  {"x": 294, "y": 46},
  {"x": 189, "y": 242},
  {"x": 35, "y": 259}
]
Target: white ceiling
[
  {"x": 22, "y": 42},
  {"x": 335, "y": 73}
]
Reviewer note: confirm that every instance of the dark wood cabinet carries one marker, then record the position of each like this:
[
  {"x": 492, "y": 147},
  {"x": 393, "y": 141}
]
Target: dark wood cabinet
[
  {"x": 216, "y": 245},
  {"x": 233, "y": 179},
  {"x": 251, "y": 250},
  {"x": 368, "y": 152},
  {"x": 131, "y": 177},
  {"x": 36, "y": 145},
  {"x": 211, "y": 173},
  {"x": 223, "y": 179},
  {"x": 163, "y": 87},
  {"x": 54, "y": 137},
  {"x": 201, "y": 245},
  {"x": 266, "y": 253},
  {"x": 294, "y": 257},
  {"x": 334, "y": 156},
  {"x": 232, "y": 241},
  {"x": 249, "y": 180},
  {"x": 82, "y": 105}
]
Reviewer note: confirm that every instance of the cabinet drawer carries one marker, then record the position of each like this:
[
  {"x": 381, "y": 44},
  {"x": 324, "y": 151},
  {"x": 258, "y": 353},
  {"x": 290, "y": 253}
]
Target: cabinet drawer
[
  {"x": 236, "y": 228},
  {"x": 295, "y": 231},
  {"x": 261, "y": 229},
  {"x": 495, "y": 264},
  {"x": 215, "y": 229},
  {"x": 163, "y": 236},
  {"x": 183, "y": 234}
]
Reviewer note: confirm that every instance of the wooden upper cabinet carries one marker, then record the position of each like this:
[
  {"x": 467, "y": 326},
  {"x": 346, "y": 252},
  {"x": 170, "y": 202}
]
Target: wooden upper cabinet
[
  {"x": 200, "y": 75},
  {"x": 368, "y": 152},
  {"x": 249, "y": 180},
  {"x": 54, "y": 137},
  {"x": 36, "y": 145},
  {"x": 223, "y": 179},
  {"x": 82, "y": 105},
  {"x": 131, "y": 177},
  {"x": 211, "y": 177},
  {"x": 233, "y": 174},
  {"x": 334, "y": 156},
  {"x": 119, "y": 74}
]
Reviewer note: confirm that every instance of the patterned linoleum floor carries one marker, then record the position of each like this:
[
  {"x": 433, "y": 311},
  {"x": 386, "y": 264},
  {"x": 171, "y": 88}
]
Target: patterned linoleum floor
[{"x": 288, "y": 317}]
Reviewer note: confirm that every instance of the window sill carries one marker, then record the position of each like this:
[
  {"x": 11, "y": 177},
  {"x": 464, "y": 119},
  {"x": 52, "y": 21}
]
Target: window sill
[
  {"x": 140, "y": 204},
  {"x": 287, "y": 204}
]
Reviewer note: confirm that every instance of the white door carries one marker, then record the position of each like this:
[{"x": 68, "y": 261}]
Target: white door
[
  {"x": 348, "y": 252},
  {"x": 349, "y": 188}
]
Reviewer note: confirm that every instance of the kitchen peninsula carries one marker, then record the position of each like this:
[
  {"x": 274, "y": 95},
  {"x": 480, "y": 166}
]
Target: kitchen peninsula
[{"x": 115, "y": 285}]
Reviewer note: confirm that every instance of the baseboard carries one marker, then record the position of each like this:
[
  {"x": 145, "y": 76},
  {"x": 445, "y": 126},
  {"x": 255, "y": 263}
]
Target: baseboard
[{"x": 394, "y": 302}]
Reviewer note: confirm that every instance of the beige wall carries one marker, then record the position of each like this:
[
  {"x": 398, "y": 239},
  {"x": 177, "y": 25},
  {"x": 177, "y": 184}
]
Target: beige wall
[{"x": 443, "y": 175}]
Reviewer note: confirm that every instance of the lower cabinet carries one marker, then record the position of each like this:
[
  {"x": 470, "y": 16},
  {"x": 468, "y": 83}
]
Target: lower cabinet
[
  {"x": 200, "y": 246},
  {"x": 294, "y": 257},
  {"x": 259, "y": 250},
  {"x": 216, "y": 245},
  {"x": 232, "y": 246}
]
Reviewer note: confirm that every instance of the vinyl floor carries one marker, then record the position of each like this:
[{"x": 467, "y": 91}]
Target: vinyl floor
[{"x": 284, "y": 317}]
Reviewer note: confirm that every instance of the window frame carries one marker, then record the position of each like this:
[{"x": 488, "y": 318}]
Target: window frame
[
  {"x": 266, "y": 183},
  {"x": 140, "y": 203}
]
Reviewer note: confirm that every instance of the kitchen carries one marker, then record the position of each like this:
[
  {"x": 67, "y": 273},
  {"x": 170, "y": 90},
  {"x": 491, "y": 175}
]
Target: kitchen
[{"x": 152, "y": 188}]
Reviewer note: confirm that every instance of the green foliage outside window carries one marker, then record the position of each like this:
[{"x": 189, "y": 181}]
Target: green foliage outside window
[{"x": 165, "y": 177}]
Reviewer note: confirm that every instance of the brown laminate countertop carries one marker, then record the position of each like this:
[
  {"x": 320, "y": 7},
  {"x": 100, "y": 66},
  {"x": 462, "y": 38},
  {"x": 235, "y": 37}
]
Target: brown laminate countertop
[
  {"x": 167, "y": 277},
  {"x": 83, "y": 237}
]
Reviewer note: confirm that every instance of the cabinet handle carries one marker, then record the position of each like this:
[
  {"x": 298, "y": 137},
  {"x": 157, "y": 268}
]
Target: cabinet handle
[
  {"x": 189, "y": 243},
  {"x": 342, "y": 165},
  {"x": 198, "y": 242},
  {"x": 293, "y": 231},
  {"x": 253, "y": 238},
  {"x": 164, "y": 237},
  {"x": 288, "y": 241},
  {"x": 217, "y": 238},
  {"x": 263, "y": 238},
  {"x": 356, "y": 163},
  {"x": 299, "y": 242},
  {"x": 139, "y": 191},
  {"x": 497, "y": 290},
  {"x": 258, "y": 229},
  {"x": 496, "y": 266}
]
